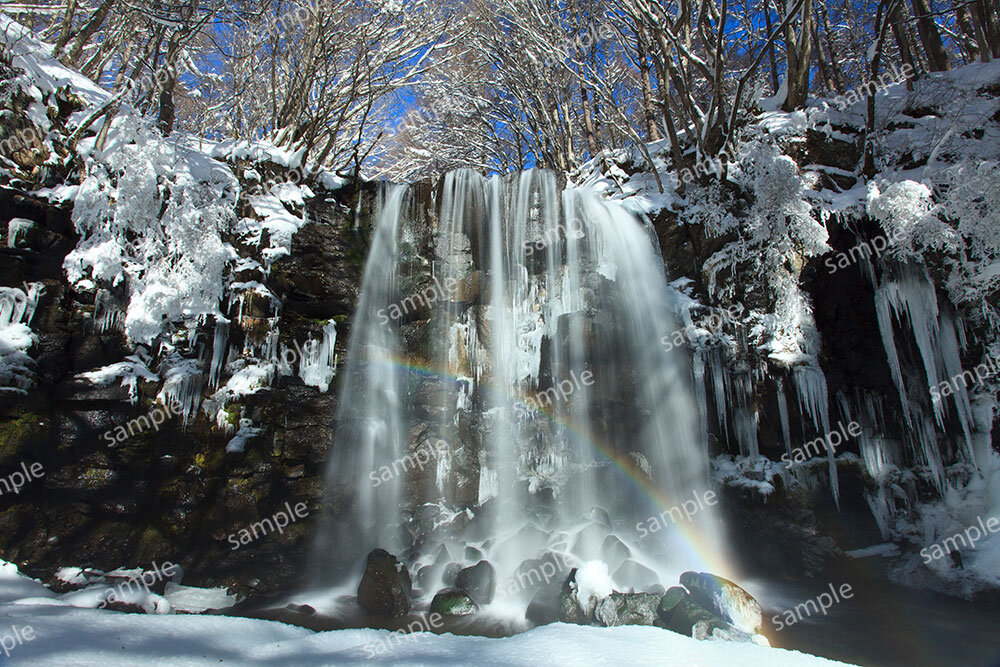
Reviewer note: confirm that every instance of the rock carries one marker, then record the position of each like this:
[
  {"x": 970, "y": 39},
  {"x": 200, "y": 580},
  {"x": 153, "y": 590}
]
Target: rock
[
  {"x": 635, "y": 576},
  {"x": 545, "y": 572},
  {"x": 599, "y": 516},
  {"x": 703, "y": 630},
  {"x": 688, "y": 613},
  {"x": 453, "y": 602},
  {"x": 304, "y": 609},
  {"x": 472, "y": 553},
  {"x": 669, "y": 601},
  {"x": 450, "y": 574},
  {"x": 479, "y": 581},
  {"x": 588, "y": 541},
  {"x": 725, "y": 599},
  {"x": 544, "y": 606},
  {"x": 385, "y": 586},
  {"x": 627, "y": 609},
  {"x": 614, "y": 551},
  {"x": 570, "y": 610}
]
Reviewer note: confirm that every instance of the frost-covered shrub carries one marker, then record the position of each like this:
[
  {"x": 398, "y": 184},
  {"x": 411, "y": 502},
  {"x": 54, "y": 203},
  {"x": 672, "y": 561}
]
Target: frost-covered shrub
[{"x": 150, "y": 217}]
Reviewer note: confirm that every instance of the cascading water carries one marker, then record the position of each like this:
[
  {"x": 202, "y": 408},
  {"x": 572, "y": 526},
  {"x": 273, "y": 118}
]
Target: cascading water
[{"x": 507, "y": 396}]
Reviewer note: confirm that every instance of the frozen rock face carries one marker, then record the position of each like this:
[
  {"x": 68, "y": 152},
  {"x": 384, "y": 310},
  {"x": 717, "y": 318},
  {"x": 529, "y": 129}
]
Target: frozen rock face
[{"x": 92, "y": 506}]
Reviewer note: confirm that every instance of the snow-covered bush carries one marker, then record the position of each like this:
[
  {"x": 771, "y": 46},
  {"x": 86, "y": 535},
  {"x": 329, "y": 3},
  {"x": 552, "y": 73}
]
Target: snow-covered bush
[{"x": 150, "y": 218}]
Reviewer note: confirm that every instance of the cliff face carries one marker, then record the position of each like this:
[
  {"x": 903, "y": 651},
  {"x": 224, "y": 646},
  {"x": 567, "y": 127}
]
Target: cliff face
[{"x": 124, "y": 480}]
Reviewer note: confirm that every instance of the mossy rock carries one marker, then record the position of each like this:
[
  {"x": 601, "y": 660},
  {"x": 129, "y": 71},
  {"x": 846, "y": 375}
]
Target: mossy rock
[
  {"x": 453, "y": 602},
  {"x": 20, "y": 435}
]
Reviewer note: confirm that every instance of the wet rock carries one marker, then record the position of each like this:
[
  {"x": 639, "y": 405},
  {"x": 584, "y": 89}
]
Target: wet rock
[
  {"x": 385, "y": 586},
  {"x": 450, "y": 574},
  {"x": 725, "y": 599},
  {"x": 688, "y": 613},
  {"x": 627, "y": 609},
  {"x": 545, "y": 572},
  {"x": 614, "y": 551},
  {"x": 570, "y": 609},
  {"x": 635, "y": 576},
  {"x": 669, "y": 602},
  {"x": 544, "y": 607},
  {"x": 479, "y": 581},
  {"x": 453, "y": 602}
]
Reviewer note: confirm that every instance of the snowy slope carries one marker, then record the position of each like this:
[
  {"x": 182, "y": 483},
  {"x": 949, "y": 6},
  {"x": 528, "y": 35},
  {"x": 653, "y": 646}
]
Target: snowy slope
[{"x": 72, "y": 637}]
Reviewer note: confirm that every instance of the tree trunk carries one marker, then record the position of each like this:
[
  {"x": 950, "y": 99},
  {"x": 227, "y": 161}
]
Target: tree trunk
[
  {"x": 770, "y": 49},
  {"x": 66, "y": 32},
  {"x": 937, "y": 57},
  {"x": 88, "y": 30},
  {"x": 964, "y": 22},
  {"x": 799, "y": 57},
  {"x": 649, "y": 114},
  {"x": 903, "y": 42}
]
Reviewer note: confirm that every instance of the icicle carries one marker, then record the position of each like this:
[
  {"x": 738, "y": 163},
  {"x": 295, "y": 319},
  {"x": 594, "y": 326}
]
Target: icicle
[
  {"x": 219, "y": 347},
  {"x": 783, "y": 416}
]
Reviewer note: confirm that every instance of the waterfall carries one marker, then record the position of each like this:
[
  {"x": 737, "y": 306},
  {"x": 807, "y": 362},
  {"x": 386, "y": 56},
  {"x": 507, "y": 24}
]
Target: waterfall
[{"x": 507, "y": 395}]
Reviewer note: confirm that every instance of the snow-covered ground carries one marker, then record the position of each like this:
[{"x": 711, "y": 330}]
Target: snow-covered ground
[{"x": 69, "y": 636}]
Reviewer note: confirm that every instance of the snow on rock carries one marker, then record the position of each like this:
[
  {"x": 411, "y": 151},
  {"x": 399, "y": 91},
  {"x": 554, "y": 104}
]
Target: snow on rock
[
  {"x": 130, "y": 371},
  {"x": 17, "y": 308},
  {"x": 196, "y": 600},
  {"x": 593, "y": 583}
]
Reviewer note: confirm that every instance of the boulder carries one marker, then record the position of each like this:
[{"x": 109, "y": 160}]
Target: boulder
[
  {"x": 627, "y": 609},
  {"x": 631, "y": 574},
  {"x": 544, "y": 607},
  {"x": 385, "y": 587},
  {"x": 450, "y": 574},
  {"x": 479, "y": 581},
  {"x": 570, "y": 610},
  {"x": 683, "y": 618},
  {"x": 453, "y": 602},
  {"x": 669, "y": 602},
  {"x": 614, "y": 551},
  {"x": 725, "y": 599}
]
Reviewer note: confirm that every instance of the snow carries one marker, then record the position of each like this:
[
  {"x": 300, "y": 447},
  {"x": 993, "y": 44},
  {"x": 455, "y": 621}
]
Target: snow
[
  {"x": 17, "y": 229},
  {"x": 130, "y": 371},
  {"x": 197, "y": 600},
  {"x": 593, "y": 581},
  {"x": 84, "y": 637}
]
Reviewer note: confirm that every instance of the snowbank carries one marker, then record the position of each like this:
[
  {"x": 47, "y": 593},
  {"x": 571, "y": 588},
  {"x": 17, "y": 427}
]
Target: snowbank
[{"x": 74, "y": 637}]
